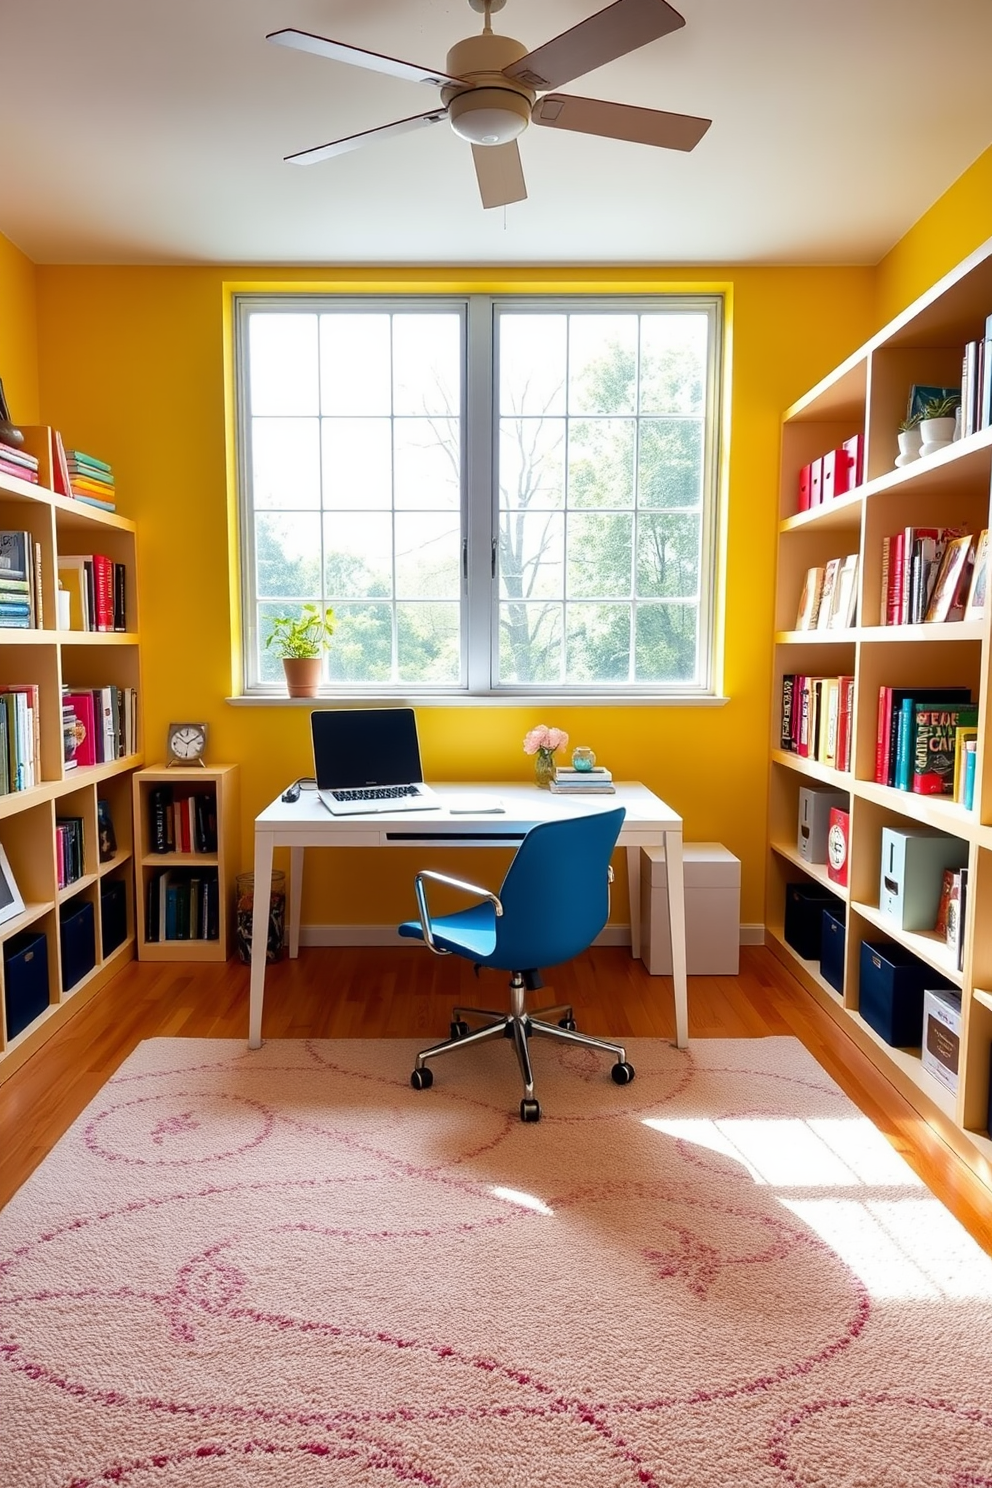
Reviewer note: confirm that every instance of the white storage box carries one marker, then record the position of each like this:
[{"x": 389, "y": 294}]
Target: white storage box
[
  {"x": 712, "y": 910},
  {"x": 942, "y": 1036}
]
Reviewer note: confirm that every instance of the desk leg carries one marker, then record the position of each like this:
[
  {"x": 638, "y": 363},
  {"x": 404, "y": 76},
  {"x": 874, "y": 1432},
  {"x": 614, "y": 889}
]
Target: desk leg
[
  {"x": 634, "y": 894},
  {"x": 676, "y": 922},
  {"x": 295, "y": 899},
  {"x": 259, "y": 937}
]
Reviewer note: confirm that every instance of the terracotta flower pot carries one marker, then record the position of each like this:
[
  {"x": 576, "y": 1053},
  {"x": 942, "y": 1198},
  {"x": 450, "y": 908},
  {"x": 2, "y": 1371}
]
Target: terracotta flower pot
[{"x": 302, "y": 675}]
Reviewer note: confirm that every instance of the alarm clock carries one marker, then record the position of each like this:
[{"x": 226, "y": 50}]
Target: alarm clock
[{"x": 185, "y": 743}]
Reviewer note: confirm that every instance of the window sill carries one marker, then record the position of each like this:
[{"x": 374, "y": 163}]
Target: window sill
[{"x": 475, "y": 700}]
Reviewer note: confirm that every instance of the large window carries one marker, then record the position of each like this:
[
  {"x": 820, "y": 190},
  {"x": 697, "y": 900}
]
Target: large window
[{"x": 495, "y": 496}]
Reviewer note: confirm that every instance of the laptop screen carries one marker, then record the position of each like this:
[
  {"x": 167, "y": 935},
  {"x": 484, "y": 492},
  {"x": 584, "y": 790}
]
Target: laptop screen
[{"x": 358, "y": 747}]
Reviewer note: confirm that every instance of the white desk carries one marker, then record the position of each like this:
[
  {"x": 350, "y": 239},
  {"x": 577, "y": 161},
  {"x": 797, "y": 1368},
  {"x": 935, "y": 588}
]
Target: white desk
[{"x": 307, "y": 823}]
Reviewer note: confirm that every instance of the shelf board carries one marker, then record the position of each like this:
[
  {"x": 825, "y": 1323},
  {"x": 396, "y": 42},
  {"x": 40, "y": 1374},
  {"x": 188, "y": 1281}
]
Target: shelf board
[
  {"x": 32, "y": 912},
  {"x": 985, "y": 998},
  {"x": 908, "y": 1062},
  {"x": 804, "y": 766},
  {"x": 70, "y": 890},
  {"x": 816, "y": 637},
  {"x": 816, "y": 871},
  {"x": 932, "y": 811},
  {"x": 944, "y": 630},
  {"x": 924, "y": 944}
]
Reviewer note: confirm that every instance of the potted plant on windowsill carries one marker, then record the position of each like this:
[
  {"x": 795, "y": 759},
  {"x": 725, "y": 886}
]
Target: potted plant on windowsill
[{"x": 301, "y": 641}]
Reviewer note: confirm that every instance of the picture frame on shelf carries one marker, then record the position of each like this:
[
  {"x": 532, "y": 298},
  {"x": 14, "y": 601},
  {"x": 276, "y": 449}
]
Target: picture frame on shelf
[
  {"x": 11, "y": 903},
  {"x": 975, "y": 608}
]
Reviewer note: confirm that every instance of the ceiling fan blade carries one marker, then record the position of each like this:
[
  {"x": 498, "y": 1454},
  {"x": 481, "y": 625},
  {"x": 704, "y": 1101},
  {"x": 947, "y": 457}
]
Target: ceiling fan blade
[
  {"x": 499, "y": 173},
  {"x": 610, "y": 33},
  {"x": 367, "y": 137},
  {"x": 621, "y": 121},
  {"x": 337, "y": 51}
]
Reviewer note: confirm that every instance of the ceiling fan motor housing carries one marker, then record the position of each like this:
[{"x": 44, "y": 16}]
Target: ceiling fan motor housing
[{"x": 491, "y": 109}]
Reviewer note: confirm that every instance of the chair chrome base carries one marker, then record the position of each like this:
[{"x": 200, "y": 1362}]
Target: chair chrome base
[{"x": 519, "y": 1025}]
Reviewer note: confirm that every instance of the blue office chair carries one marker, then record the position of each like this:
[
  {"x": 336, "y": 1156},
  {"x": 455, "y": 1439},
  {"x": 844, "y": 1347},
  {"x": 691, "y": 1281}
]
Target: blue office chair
[{"x": 554, "y": 901}]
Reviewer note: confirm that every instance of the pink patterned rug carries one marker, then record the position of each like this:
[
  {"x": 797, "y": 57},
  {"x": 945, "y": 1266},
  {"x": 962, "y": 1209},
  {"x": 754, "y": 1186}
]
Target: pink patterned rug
[{"x": 288, "y": 1268}]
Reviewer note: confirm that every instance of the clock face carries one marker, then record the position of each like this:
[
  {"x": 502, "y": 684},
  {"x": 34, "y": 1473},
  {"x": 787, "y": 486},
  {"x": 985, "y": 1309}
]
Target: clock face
[{"x": 187, "y": 741}]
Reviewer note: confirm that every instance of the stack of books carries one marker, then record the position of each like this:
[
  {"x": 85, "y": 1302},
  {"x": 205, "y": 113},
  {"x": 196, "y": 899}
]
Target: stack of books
[
  {"x": 571, "y": 782},
  {"x": 14, "y": 461},
  {"x": 17, "y": 580},
  {"x": 91, "y": 480}
]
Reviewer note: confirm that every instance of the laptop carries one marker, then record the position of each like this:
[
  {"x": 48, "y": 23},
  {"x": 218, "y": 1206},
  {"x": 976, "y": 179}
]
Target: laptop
[{"x": 367, "y": 760}]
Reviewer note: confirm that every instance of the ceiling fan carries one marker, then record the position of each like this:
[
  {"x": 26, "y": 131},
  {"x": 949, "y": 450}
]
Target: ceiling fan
[{"x": 490, "y": 89}]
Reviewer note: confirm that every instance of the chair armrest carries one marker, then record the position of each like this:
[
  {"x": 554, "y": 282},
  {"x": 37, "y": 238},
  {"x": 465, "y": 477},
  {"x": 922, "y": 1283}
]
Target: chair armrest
[{"x": 453, "y": 883}]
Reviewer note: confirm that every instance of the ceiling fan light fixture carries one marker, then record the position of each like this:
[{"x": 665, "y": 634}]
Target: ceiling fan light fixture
[{"x": 489, "y": 116}]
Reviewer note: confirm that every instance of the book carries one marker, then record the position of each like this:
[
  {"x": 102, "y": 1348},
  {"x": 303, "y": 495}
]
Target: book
[
  {"x": 952, "y": 581},
  {"x": 78, "y": 457},
  {"x": 845, "y": 600},
  {"x": 963, "y": 735},
  {"x": 975, "y": 606},
  {"x": 97, "y": 501},
  {"x": 845, "y": 721},
  {"x": 970, "y": 764},
  {"x": 23, "y": 472},
  {"x": 81, "y": 703},
  {"x": 568, "y": 772},
  {"x": 828, "y": 589},
  {"x": 933, "y": 744},
  {"x": 786, "y": 740},
  {"x": 890, "y": 700},
  {"x": 16, "y": 555},
  {"x": 809, "y": 601},
  {"x": 943, "y": 903},
  {"x": 61, "y": 484},
  {"x": 559, "y": 788}
]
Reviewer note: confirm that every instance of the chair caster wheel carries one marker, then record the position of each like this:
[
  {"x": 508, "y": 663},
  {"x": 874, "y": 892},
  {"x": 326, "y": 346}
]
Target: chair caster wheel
[
  {"x": 530, "y": 1110},
  {"x": 422, "y": 1079},
  {"x": 567, "y": 1023},
  {"x": 622, "y": 1073},
  {"x": 459, "y": 1028}
]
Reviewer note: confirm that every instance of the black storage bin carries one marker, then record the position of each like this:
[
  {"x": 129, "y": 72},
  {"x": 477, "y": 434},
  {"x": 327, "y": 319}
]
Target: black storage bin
[
  {"x": 804, "y": 905},
  {"x": 833, "y": 936},
  {"x": 113, "y": 915},
  {"x": 892, "y": 983},
  {"x": 77, "y": 937},
  {"x": 25, "y": 972}
]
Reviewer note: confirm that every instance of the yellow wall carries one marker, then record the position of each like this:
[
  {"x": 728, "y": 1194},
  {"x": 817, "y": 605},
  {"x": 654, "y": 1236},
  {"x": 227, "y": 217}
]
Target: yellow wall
[
  {"x": 18, "y": 334},
  {"x": 150, "y": 342}
]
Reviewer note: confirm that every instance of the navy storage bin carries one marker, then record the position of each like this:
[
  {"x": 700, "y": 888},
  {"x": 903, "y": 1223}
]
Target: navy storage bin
[
  {"x": 892, "y": 984},
  {"x": 25, "y": 972},
  {"x": 77, "y": 937},
  {"x": 113, "y": 915},
  {"x": 833, "y": 936},
  {"x": 804, "y": 905}
]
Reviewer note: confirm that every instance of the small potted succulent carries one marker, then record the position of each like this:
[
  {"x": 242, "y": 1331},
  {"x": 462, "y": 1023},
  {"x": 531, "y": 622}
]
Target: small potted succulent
[
  {"x": 301, "y": 641},
  {"x": 910, "y": 439},
  {"x": 937, "y": 423}
]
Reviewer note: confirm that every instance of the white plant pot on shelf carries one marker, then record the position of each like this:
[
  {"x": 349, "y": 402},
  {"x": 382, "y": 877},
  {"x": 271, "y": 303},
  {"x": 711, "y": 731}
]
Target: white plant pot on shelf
[
  {"x": 910, "y": 441},
  {"x": 937, "y": 434}
]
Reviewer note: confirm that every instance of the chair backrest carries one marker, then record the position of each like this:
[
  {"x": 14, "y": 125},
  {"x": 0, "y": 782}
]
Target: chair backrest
[{"x": 555, "y": 895}]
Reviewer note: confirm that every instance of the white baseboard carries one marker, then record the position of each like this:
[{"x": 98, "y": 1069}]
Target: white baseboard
[{"x": 386, "y": 935}]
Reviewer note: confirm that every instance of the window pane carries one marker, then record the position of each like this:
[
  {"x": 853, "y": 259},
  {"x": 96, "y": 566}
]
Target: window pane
[
  {"x": 428, "y": 556},
  {"x": 532, "y": 463},
  {"x": 666, "y": 642},
  {"x": 532, "y": 365},
  {"x": 429, "y": 646},
  {"x": 285, "y": 455},
  {"x": 358, "y": 561},
  {"x": 362, "y": 648},
  {"x": 668, "y": 557},
  {"x": 670, "y": 463},
  {"x": 287, "y": 555},
  {"x": 601, "y": 462},
  {"x": 426, "y": 365},
  {"x": 530, "y": 641},
  {"x": 428, "y": 468},
  {"x": 673, "y": 363},
  {"x": 532, "y": 555},
  {"x": 283, "y": 364},
  {"x": 602, "y": 364},
  {"x": 600, "y": 549},
  {"x": 354, "y": 364},
  {"x": 598, "y": 642},
  {"x": 357, "y": 463}
]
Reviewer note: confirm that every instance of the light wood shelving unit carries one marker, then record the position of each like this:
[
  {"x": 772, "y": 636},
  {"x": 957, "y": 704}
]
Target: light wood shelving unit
[
  {"x": 868, "y": 394},
  {"x": 223, "y": 782},
  {"x": 51, "y": 658}
]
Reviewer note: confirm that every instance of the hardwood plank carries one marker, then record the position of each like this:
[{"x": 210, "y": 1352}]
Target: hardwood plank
[{"x": 404, "y": 992}]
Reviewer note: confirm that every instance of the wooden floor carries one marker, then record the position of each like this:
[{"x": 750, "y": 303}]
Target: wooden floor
[{"x": 406, "y": 992}]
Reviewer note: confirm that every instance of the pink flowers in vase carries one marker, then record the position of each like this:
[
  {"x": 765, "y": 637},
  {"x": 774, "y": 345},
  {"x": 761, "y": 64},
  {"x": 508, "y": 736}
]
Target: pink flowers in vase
[{"x": 542, "y": 742}]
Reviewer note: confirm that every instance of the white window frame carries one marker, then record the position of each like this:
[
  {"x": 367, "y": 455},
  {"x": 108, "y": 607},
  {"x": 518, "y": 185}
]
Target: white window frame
[{"x": 480, "y": 496}]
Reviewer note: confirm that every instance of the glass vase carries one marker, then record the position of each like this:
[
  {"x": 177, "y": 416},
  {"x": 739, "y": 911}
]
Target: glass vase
[{"x": 544, "y": 768}]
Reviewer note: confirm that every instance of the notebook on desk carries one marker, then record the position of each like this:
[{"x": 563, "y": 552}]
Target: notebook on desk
[{"x": 367, "y": 760}]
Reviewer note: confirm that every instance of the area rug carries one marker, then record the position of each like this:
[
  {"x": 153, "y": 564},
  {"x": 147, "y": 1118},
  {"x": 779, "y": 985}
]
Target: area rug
[{"x": 288, "y": 1268}]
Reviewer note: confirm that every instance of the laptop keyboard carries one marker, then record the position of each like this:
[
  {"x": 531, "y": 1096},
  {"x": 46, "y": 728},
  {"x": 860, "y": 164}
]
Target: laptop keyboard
[{"x": 376, "y": 793}]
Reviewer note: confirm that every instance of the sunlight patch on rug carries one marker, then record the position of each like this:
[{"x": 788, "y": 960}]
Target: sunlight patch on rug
[{"x": 282, "y": 1268}]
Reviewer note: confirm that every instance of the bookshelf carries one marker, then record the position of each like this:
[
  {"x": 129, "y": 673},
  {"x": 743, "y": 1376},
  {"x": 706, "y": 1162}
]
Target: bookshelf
[
  {"x": 101, "y": 899},
  {"x": 867, "y": 395},
  {"x": 191, "y": 856}
]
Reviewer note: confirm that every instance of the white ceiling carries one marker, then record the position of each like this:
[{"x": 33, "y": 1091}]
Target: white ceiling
[{"x": 140, "y": 132}]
